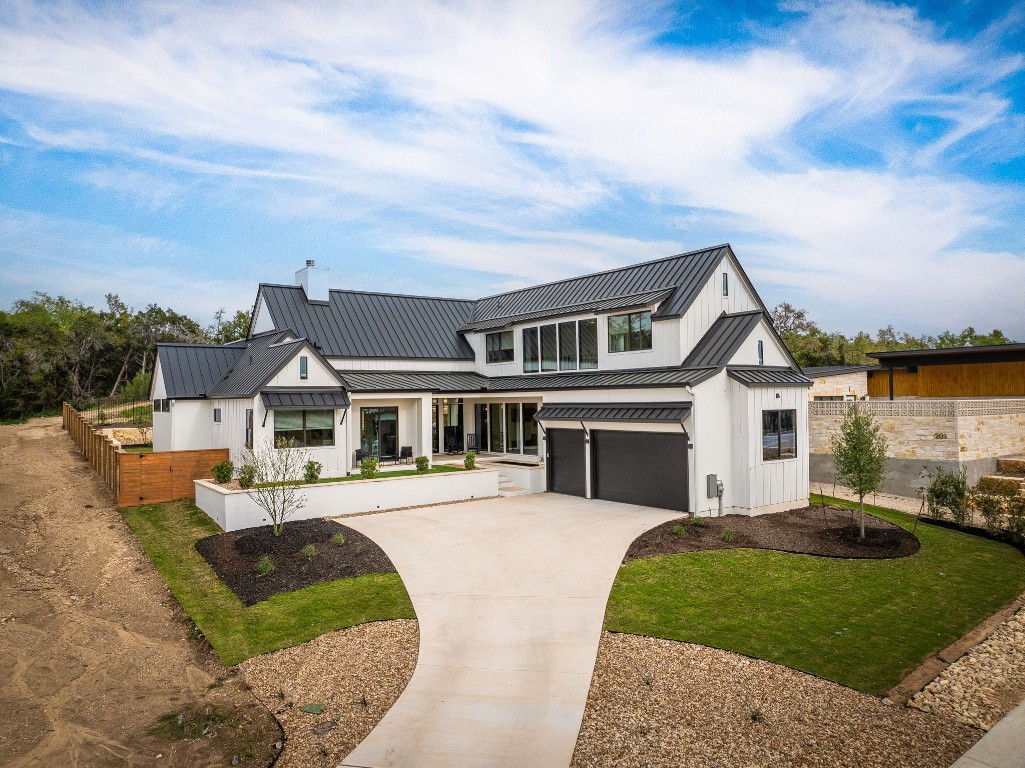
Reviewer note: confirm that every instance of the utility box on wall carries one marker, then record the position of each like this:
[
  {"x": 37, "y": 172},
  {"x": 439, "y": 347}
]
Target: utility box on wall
[{"x": 711, "y": 486}]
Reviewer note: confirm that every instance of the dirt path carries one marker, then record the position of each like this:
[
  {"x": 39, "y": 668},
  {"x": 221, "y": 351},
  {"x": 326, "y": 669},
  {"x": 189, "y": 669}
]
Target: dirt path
[{"x": 93, "y": 649}]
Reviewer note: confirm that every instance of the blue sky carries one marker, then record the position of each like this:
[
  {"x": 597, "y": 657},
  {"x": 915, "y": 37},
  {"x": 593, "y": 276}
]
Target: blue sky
[{"x": 865, "y": 160}]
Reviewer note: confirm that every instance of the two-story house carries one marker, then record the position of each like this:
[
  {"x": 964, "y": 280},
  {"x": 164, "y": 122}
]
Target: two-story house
[{"x": 649, "y": 384}]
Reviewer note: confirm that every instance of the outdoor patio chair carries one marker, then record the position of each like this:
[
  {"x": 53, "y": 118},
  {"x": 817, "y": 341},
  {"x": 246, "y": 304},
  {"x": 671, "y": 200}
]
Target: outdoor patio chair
[
  {"x": 406, "y": 454},
  {"x": 358, "y": 458}
]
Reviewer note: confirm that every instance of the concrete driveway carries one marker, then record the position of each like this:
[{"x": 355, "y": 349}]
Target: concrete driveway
[{"x": 510, "y": 594}]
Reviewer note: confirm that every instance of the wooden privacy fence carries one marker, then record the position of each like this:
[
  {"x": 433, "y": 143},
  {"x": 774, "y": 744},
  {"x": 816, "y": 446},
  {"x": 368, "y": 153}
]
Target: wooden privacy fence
[{"x": 140, "y": 478}]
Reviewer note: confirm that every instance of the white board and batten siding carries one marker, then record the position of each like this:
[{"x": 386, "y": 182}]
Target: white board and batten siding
[
  {"x": 771, "y": 486},
  {"x": 318, "y": 374},
  {"x": 710, "y": 303}
]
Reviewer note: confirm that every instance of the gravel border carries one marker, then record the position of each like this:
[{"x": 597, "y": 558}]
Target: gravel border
[
  {"x": 355, "y": 674},
  {"x": 983, "y": 685},
  {"x": 664, "y": 704}
]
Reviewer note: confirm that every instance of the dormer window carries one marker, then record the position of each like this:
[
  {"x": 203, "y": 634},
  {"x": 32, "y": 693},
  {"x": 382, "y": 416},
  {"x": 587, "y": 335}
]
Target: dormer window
[
  {"x": 761, "y": 352},
  {"x": 630, "y": 333},
  {"x": 499, "y": 347},
  {"x": 725, "y": 283},
  {"x": 304, "y": 369}
]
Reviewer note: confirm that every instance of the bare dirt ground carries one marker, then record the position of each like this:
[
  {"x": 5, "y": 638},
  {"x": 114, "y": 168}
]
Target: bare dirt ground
[{"x": 93, "y": 649}]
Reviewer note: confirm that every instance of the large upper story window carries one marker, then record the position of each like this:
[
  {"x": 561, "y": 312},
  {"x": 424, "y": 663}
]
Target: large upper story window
[
  {"x": 630, "y": 332},
  {"x": 531, "y": 351},
  {"x": 588, "y": 343},
  {"x": 549, "y": 347},
  {"x": 499, "y": 347},
  {"x": 779, "y": 435},
  {"x": 309, "y": 429},
  {"x": 568, "y": 346}
]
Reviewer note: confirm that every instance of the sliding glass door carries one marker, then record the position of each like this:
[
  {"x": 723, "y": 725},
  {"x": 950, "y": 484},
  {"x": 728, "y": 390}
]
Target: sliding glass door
[
  {"x": 496, "y": 423},
  {"x": 379, "y": 432}
]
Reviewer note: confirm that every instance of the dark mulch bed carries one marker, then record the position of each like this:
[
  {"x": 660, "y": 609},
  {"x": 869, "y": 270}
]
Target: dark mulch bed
[
  {"x": 234, "y": 557},
  {"x": 829, "y": 532}
]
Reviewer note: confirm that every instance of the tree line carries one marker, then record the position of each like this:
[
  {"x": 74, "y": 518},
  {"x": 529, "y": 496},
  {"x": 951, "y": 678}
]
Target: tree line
[
  {"x": 54, "y": 349},
  {"x": 812, "y": 346}
]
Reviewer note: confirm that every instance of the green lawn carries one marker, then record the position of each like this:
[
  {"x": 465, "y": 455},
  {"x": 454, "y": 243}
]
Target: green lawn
[
  {"x": 862, "y": 623},
  {"x": 168, "y": 532}
]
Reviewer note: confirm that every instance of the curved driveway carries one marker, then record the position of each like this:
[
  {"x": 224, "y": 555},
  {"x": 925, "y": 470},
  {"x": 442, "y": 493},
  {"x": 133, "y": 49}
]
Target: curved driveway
[{"x": 510, "y": 594}]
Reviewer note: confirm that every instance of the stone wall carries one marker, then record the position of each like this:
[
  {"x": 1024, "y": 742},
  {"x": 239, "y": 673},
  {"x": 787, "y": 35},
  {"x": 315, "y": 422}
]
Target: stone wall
[
  {"x": 924, "y": 434},
  {"x": 844, "y": 385}
]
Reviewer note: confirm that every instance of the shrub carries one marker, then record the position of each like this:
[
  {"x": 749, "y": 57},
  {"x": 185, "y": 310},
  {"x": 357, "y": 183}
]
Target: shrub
[
  {"x": 246, "y": 476},
  {"x": 470, "y": 460},
  {"x": 1003, "y": 486},
  {"x": 309, "y": 550},
  {"x": 137, "y": 388},
  {"x": 679, "y": 530},
  {"x": 947, "y": 493},
  {"x": 727, "y": 536},
  {"x": 422, "y": 465},
  {"x": 222, "y": 471},
  {"x": 698, "y": 521},
  {"x": 265, "y": 566},
  {"x": 990, "y": 507},
  {"x": 338, "y": 539},
  {"x": 311, "y": 472},
  {"x": 1016, "y": 517},
  {"x": 368, "y": 468},
  {"x": 101, "y": 416}
]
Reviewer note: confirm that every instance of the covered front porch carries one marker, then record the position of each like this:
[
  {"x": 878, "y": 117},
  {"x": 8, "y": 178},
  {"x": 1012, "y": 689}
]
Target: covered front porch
[{"x": 494, "y": 428}]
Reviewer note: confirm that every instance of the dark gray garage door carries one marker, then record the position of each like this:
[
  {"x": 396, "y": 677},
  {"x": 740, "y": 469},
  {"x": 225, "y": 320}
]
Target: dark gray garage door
[
  {"x": 648, "y": 468},
  {"x": 566, "y": 461}
]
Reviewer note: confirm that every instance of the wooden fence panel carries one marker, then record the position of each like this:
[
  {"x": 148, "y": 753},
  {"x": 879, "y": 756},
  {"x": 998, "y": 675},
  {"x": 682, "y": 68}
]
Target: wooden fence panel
[{"x": 139, "y": 478}]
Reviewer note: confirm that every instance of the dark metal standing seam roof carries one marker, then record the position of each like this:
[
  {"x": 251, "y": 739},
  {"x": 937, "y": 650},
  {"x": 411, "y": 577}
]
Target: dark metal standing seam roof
[
  {"x": 256, "y": 366},
  {"x": 628, "y": 301},
  {"x": 686, "y": 272},
  {"x": 407, "y": 381},
  {"x": 305, "y": 398},
  {"x": 767, "y": 376},
  {"x": 723, "y": 339},
  {"x": 191, "y": 370},
  {"x": 357, "y": 324},
  {"x": 836, "y": 370},
  {"x": 653, "y": 377},
  {"x": 647, "y": 412}
]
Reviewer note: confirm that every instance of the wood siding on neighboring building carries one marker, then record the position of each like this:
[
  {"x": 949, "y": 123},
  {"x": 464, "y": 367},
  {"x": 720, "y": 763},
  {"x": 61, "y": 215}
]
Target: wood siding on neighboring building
[{"x": 961, "y": 380}]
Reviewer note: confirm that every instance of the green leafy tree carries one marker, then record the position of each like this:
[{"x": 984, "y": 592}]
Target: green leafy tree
[
  {"x": 225, "y": 329},
  {"x": 859, "y": 454}
]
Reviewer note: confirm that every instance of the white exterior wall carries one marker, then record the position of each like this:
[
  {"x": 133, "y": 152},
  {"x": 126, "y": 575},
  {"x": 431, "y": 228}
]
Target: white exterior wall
[
  {"x": 710, "y": 303},
  {"x": 665, "y": 347},
  {"x": 262, "y": 321},
  {"x": 163, "y": 436},
  {"x": 190, "y": 429},
  {"x": 774, "y": 353},
  {"x": 767, "y": 486},
  {"x": 399, "y": 364},
  {"x": 319, "y": 375}
]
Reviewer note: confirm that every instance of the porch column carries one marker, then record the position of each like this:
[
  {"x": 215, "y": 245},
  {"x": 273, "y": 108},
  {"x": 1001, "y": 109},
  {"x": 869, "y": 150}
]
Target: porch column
[{"x": 426, "y": 447}]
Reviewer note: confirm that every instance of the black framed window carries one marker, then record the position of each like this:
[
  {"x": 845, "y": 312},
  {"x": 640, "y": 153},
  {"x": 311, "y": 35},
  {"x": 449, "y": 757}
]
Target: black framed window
[
  {"x": 725, "y": 283},
  {"x": 761, "y": 352},
  {"x": 499, "y": 347},
  {"x": 309, "y": 429},
  {"x": 249, "y": 428},
  {"x": 217, "y": 415},
  {"x": 588, "y": 343},
  {"x": 549, "y": 347},
  {"x": 304, "y": 367},
  {"x": 531, "y": 352},
  {"x": 568, "y": 346},
  {"x": 165, "y": 405},
  {"x": 779, "y": 435},
  {"x": 630, "y": 332}
]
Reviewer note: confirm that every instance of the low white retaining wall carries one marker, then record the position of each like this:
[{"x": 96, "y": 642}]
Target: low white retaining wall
[{"x": 234, "y": 510}]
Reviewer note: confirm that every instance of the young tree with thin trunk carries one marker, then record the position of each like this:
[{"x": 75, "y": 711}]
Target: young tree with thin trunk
[
  {"x": 859, "y": 453},
  {"x": 280, "y": 469}
]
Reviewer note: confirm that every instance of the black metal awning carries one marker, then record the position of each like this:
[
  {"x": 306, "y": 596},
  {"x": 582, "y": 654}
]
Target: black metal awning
[
  {"x": 281, "y": 399},
  {"x": 668, "y": 413}
]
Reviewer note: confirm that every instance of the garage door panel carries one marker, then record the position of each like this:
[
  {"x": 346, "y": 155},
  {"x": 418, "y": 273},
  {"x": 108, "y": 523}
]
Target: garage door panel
[
  {"x": 645, "y": 468},
  {"x": 566, "y": 461}
]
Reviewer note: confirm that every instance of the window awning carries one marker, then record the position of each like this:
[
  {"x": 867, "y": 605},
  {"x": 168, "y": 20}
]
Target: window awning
[
  {"x": 669, "y": 413},
  {"x": 281, "y": 399}
]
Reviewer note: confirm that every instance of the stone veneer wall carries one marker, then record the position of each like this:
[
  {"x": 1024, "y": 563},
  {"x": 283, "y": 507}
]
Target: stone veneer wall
[
  {"x": 843, "y": 385},
  {"x": 922, "y": 434}
]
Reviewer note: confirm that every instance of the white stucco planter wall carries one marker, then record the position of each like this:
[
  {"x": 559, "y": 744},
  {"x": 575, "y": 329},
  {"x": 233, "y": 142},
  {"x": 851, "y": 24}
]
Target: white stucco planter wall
[{"x": 235, "y": 510}]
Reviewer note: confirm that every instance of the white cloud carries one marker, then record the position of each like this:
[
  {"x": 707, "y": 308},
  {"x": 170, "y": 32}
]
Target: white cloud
[{"x": 513, "y": 119}]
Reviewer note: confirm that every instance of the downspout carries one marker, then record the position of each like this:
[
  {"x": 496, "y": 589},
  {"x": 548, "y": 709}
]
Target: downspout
[{"x": 692, "y": 502}]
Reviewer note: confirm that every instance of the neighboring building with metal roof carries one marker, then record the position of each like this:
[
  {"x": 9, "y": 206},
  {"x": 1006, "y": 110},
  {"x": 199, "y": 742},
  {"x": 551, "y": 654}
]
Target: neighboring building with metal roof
[
  {"x": 652, "y": 383},
  {"x": 996, "y": 370}
]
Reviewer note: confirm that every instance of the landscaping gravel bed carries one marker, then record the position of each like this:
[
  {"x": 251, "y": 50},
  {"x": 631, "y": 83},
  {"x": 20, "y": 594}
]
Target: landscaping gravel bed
[
  {"x": 353, "y": 675},
  {"x": 984, "y": 684},
  {"x": 662, "y": 703}
]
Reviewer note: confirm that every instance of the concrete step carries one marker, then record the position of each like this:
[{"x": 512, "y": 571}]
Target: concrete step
[{"x": 512, "y": 490}]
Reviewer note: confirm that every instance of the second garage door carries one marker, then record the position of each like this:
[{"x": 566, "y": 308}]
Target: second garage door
[
  {"x": 646, "y": 468},
  {"x": 566, "y": 461}
]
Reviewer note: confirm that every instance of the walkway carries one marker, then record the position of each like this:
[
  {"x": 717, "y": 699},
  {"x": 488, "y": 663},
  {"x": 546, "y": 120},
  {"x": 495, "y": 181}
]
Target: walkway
[
  {"x": 1003, "y": 746},
  {"x": 510, "y": 595}
]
